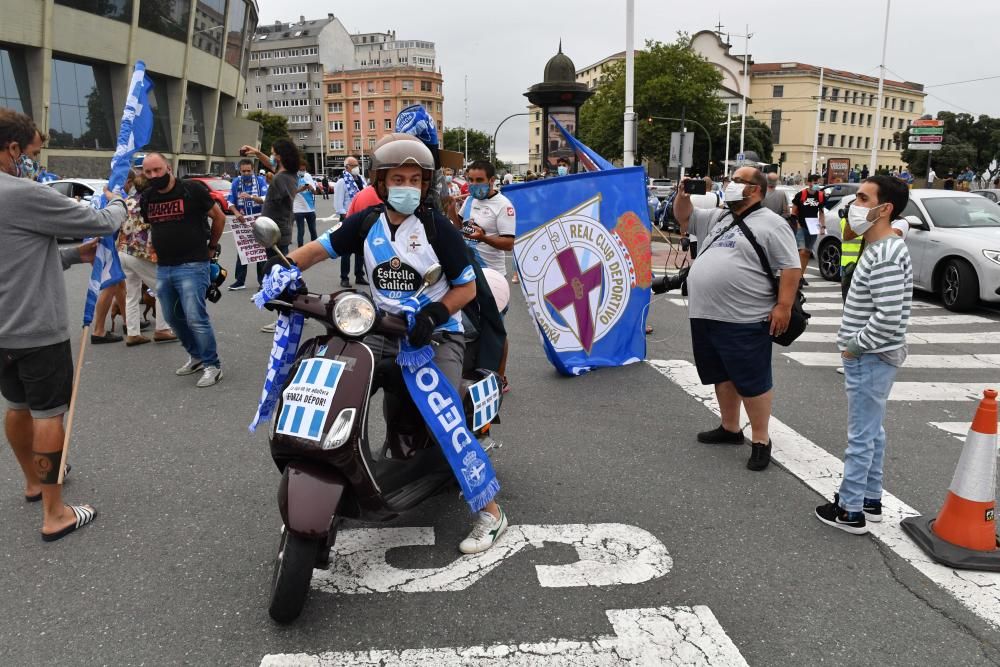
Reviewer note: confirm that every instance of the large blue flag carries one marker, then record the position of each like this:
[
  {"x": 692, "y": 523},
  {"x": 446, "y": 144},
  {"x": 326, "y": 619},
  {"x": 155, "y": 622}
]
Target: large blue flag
[
  {"x": 583, "y": 254},
  {"x": 590, "y": 160},
  {"x": 135, "y": 131}
]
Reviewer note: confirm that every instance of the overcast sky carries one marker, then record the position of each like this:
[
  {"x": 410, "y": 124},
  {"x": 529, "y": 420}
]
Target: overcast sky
[{"x": 503, "y": 46}]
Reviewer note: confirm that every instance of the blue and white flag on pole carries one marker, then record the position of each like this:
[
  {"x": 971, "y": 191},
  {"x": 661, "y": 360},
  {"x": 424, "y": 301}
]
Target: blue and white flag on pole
[
  {"x": 584, "y": 257},
  {"x": 136, "y": 129},
  {"x": 590, "y": 160}
]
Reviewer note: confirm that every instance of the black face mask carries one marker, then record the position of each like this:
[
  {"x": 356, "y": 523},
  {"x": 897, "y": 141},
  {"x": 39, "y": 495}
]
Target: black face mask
[{"x": 159, "y": 182}]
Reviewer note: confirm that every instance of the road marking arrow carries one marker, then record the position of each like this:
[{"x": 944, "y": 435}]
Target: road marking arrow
[
  {"x": 609, "y": 554},
  {"x": 658, "y": 636}
]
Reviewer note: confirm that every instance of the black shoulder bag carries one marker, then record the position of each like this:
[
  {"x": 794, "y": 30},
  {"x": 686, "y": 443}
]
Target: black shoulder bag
[{"x": 800, "y": 318}]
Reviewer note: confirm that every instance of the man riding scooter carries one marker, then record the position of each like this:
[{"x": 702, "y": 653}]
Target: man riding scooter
[{"x": 405, "y": 240}]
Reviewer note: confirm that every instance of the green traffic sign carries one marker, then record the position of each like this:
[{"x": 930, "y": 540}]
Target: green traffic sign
[{"x": 926, "y": 130}]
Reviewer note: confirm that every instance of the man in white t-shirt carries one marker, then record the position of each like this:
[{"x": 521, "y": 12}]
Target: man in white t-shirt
[
  {"x": 931, "y": 177},
  {"x": 488, "y": 221},
  {"x": 304, "y": 206}
]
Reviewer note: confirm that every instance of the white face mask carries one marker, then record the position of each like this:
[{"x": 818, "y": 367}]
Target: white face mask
[
  {"x": 734, "y": 192},
  {"x": 857, "y": 218},
  {"x": 355, "y": 171}
]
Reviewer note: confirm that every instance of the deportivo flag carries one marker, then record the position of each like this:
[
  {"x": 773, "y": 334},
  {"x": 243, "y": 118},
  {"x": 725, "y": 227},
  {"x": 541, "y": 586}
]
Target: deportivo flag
[
  {"x": 583, "y": 254},
  {"x": 590, "y": 160},
  {"x": 135, "y": 131}
]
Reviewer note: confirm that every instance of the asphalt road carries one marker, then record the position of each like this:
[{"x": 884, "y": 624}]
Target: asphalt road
[{"x": 176, "y": 568}]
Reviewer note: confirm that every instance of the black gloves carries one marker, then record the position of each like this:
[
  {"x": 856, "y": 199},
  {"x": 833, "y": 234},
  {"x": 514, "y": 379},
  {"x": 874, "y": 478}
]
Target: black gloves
[{"x": 427, "y": 319}]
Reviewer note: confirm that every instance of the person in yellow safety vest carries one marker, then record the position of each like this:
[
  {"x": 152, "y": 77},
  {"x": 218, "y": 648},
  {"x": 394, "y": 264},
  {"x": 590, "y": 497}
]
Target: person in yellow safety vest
[{"x": 850, "y": 253}]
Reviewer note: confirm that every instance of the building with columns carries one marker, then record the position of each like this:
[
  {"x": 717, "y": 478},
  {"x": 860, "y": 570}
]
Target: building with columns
[{"x": 67, "y": 64}]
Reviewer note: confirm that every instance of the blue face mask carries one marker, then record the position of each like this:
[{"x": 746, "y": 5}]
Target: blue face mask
[
  {"x": 561, "y": 170},
  {"x": 247, "y": 180},
  {"x": 404, "y": 199},
  {"x": 479, "y": 190},
  {"x": 26, "y": 167}
]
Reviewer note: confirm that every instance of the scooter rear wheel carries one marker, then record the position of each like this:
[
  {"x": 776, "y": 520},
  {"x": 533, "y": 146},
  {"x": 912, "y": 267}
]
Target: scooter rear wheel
[{"x": 292, "y": 573}]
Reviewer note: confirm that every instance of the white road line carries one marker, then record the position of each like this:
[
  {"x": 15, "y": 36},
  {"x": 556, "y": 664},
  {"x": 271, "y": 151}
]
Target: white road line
[
  {"x": 915, "y": 321},
  {"x": 981, "y": 338},
  {"x": 833, "y": 360},
  {"x": 957, "y": 429},
  {"x": 838, "y": 305},
  {"x": 821, "y": 471},
  {"x": 657, "y": 636},
  {"x": 812, "y": 296},
  {"x": 821, "y": 284},
  {"x": 609, "y": 554},
  {"x": 940, "y": 391}
]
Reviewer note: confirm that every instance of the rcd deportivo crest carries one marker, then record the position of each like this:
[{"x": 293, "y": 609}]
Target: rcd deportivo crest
[{"x": 577, "y": 275}]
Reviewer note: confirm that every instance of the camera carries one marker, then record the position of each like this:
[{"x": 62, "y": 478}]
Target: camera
[
  {"x": 666, "y": 283},
  {"x": 694, "y": 186}
]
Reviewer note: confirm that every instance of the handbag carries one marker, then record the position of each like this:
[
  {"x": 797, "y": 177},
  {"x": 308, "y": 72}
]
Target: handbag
[{"x": 799, "y": 320}]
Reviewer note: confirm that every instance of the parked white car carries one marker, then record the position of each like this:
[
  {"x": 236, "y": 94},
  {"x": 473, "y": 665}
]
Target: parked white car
[{"x": 82, "y": 189}]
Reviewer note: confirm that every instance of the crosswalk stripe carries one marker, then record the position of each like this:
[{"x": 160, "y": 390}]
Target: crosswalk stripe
[
  {"x": 915, "y": 321},
  {"x": 957, "y": 429},
  {"x": 810, "y": 296},
  {"x": 837, "y": 305},
  {"x": 821, "y": 471},
  {"x": 981, "y": 338},
  {"x": 974, "y": 361},
  {"x": 939, "y": 391},
  {"x": 821, "y": 285}
]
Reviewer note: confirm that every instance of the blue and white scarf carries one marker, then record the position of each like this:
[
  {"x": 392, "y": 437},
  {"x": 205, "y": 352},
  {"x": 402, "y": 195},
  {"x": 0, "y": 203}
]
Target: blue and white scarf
[
  {"x": 287, "y": 334},
  {"x": 350, "y": 185},
  {"x": 441, "y": 407}
]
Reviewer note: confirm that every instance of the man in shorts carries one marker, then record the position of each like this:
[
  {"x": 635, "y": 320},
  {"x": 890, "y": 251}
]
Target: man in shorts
[
  {"x": 808, "y": 209},
  {"x": 36, "y": 362}
]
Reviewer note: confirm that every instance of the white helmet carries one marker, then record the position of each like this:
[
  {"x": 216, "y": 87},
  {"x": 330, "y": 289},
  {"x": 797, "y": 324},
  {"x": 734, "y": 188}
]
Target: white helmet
[
  {"x": 398, "y": 149},
  {"x": 499, "y": 287}
]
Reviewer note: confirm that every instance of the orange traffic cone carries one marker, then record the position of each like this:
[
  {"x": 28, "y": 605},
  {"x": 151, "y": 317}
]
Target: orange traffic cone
[{"x": 964, "y": 534}]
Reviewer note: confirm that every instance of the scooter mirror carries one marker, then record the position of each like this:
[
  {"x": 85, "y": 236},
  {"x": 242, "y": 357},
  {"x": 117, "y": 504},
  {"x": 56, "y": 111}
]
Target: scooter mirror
[
  {"x": 432, "y": 275},
  {"x": 266, "y": 231}
]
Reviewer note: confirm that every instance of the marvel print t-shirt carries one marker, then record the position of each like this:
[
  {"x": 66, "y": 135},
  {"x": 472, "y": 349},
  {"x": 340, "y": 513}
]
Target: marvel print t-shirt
[{"x": 179, "y": 222}]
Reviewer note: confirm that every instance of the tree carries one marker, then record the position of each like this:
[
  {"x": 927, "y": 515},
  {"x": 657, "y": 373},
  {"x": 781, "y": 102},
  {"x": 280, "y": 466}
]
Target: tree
[
  {"x": 275, "y": 127},
  {"x": 757, "y": 139},
  {"x": 968, "y": 142},
  {"x": 670, "y": 79},
  {"x": 479, "y": 142}
]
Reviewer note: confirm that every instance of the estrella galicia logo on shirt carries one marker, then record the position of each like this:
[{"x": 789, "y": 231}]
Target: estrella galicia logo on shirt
[{"x": 395, "y": 278}]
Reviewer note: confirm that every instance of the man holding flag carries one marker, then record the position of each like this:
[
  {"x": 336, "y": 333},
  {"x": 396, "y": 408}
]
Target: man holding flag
[{"x": 36, "y": 365}]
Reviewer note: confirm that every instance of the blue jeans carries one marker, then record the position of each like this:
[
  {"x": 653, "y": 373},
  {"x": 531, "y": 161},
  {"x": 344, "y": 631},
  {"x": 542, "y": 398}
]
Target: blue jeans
[
  {"x": 868, "y": 381},
  {"x": 181, "y": 290},
  {"x": 303, "y": 219}
]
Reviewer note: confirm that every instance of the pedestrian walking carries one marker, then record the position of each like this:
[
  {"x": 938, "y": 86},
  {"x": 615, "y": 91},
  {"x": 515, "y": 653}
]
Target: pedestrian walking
[
  {"x": 177, "y": 212},
  {"x": 864, "y": 171},
  {"x": 810, "y": 214},
  {"x": 304, "y": 207},
  {"x": 733, "y": 308},
  {"x": 246, "y": 201},
  {"x": 351, "y": 182},
  {"x": 775, "y": 200},
  {"x": 326, "y": 187},
  {"x": 36, "y": 361},
  {"x": 931, "y": 177},
  {"x": 872, "y": 341},
  {"x": 138, "y": 258}
]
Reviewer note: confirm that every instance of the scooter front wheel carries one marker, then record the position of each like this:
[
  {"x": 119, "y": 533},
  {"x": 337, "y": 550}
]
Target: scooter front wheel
[{"x": 292, "y": 573}]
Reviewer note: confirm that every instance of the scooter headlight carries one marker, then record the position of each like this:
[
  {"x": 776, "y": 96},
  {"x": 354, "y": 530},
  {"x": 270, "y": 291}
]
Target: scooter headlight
[{"x": 353, "y": 314}]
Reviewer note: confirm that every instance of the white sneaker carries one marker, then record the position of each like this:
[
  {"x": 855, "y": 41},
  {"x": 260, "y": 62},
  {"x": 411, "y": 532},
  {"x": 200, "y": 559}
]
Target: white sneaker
[
  {"x": 192, "y": 366},
  {"x": 840, "y": 369},
  {"x": 268, "y": 328},
  {"x": 485, "y": 530},
  {"x": 210, "y": 376}
]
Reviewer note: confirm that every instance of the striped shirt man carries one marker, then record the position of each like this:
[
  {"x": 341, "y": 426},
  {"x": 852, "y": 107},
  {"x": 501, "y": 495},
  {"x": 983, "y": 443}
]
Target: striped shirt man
[{"x": 877, "y": 310}]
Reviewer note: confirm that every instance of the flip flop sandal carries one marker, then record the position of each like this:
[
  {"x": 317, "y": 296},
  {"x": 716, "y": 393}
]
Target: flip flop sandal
[
  {"x": 38, "y": 496},
  {"x": 84, "y": 516}
]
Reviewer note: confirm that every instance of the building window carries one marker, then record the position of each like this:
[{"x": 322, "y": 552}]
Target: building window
[
  {"x": 335, "y": 107},
  {"x": 869, "y": 123},
  {"x": 246, "y": 107},
  {"x": 387, "y": 106},
  {"x": 842, "y": 141},
  {"x": 168, "y": 18},
  {"x": 119, "y": 10},
  {"x": 388, "y": 125},
  {"x": 881, "y": 144},
  {"x": 407, "y": 84},
  {"x": 337, "y": 144},
  {"x": 777, "y": 91},
  {"x": 425, "y": 86},
  {"x": 386, "y": 86},
  {"x": 910, "y": 106},
  {"x": 371, "y": 144},
  {"x": 829, "y": 139},
  {"x": 209, "y": 34},
  {"x": 899, "y": 124},
  {"x": 776, "y": 126},
  {"x": 854, "y": 117},
  {"x": 259, "y": 106},
  {"x": 371, "y": 106},
  {"x": 238, "y": 24},
  {"x": 333, "y": 89},
  {"x": 357, "y": 144},
  {"x": 538, "y": 130},
  {"x": 80, "y": 116},
  {"x": 336, "y": 126},
  {"x": 850, "y": 141},
  {"x": 822, "y": 115},
  {"x": 833, "y": 115},
  {"x": 823, "y": 94},
  {"x": 356, "y": 87},
  {"x": 13, "y": 81},
  {"x": 357, "y": 126},
  {"x": 371, "y": 125},
  {"x": 819, "y": 139},
  {"x": 868, "y": 142},
  {"x": 356, "y": 107},
  {"x": 371, "y": 86},
  {"x": 854, "y": 97},
  {"x": 836, "y": 95}
]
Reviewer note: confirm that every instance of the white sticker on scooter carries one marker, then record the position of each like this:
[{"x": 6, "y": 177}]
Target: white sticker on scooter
[
  {"x": 306, "y": 401},
  {"x": 485, "y": 401}
]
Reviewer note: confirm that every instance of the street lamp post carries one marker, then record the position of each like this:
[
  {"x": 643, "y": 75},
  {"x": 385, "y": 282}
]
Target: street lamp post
[
  {"x": 688, "y": 120},
  {"x": 493, "y": 143}
]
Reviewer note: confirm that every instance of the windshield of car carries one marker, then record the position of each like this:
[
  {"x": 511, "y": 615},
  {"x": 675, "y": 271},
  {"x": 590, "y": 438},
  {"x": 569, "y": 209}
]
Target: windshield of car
[
  {"x": 959, "y": 212},
  {"x": 217, "y": 183}
]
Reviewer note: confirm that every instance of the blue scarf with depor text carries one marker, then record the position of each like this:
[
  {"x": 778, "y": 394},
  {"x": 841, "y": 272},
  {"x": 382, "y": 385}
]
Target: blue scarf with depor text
[
  {"x": 442, "y": 410},
  {"x": 287, "y": 334}
]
